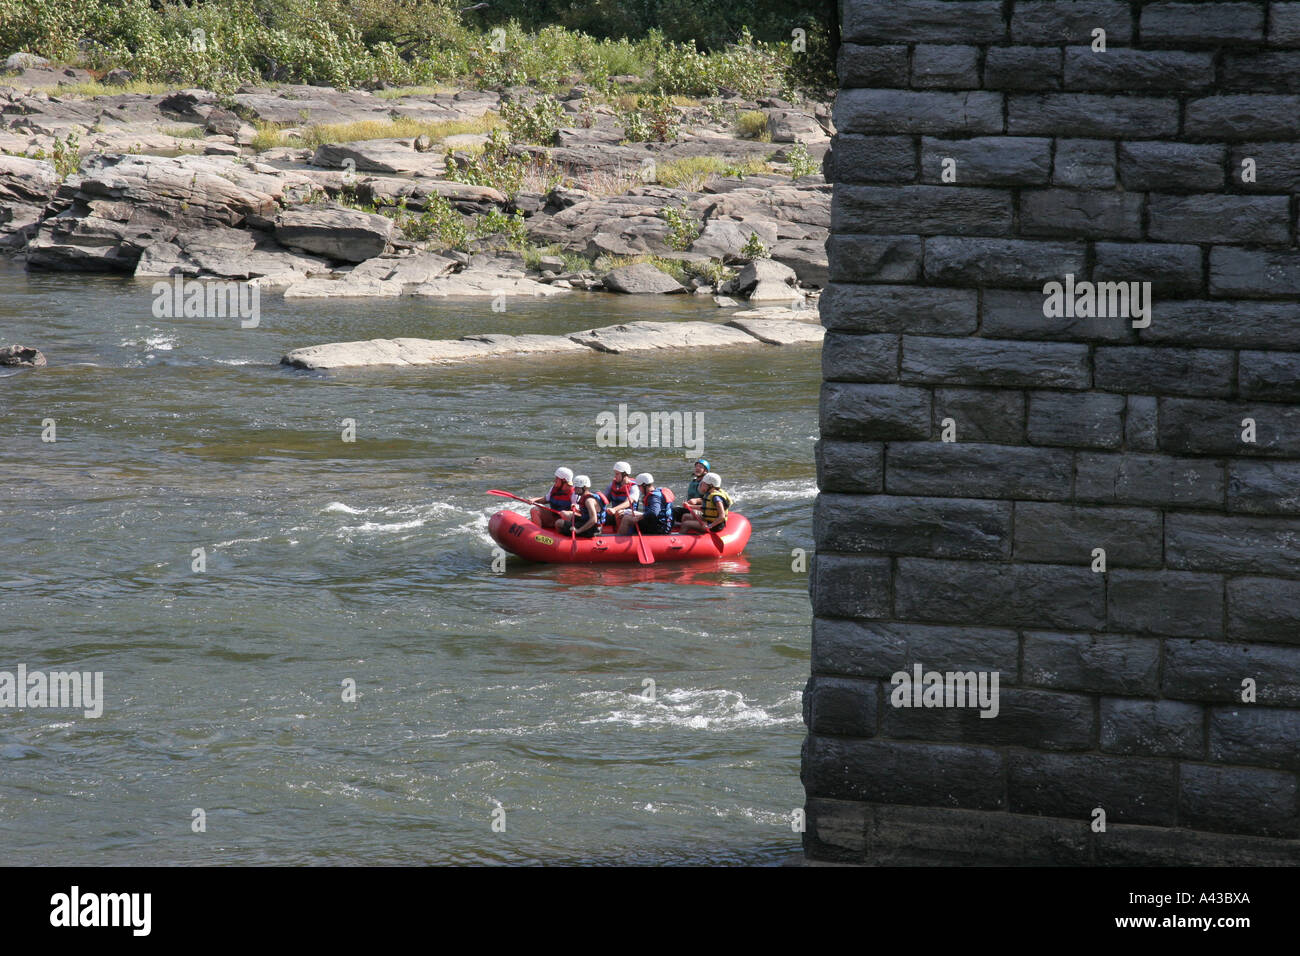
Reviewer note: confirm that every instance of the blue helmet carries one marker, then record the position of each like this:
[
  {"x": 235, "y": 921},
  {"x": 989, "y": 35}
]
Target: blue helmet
[{"x": 704, "y": 462}]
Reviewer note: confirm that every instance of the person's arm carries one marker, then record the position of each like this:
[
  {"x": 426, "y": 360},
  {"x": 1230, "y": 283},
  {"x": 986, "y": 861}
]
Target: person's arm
[{"x": 591, "y": 516}]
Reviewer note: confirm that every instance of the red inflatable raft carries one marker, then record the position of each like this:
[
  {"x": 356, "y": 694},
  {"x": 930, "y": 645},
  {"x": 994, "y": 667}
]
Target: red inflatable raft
[{"x": 524, "y": 537}]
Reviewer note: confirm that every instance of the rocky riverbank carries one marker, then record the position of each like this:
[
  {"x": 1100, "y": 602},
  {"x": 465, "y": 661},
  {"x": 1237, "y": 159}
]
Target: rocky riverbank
[{"x": 189, "y": 183}]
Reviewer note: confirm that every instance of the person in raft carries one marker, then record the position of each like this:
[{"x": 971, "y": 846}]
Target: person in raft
[
  {"x": 589, "y": 510},
  {"x": 656, "y": 514},
  {"x": 714, "y": 509},
  {"x": 559, "y": 498},
  {"x": 622, "y": 492},
  {"x": 692, "y": 490}
]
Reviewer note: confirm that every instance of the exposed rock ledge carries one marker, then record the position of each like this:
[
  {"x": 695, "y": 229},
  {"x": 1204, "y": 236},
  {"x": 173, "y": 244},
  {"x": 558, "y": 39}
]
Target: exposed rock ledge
[{"x": 631, "y": 337}]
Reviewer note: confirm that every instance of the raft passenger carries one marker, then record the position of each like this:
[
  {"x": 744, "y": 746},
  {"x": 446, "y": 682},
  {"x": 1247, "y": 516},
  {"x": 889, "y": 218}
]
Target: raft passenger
[
  {"x": 656, "y": 514},
  {"x": 714, "y": 507},
  {"x": 622, "y": 493},
  {"x": 559, "y": 498},
  {"x": 693, "y": 489},
  {"x": 589, "y": 510}
]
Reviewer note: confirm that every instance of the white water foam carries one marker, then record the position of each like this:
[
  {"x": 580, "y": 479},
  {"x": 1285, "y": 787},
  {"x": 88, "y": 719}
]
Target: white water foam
[
  {"x": 380, "y": 526},
  {"x": 692, "y": 710},
  {"x": 775, "y": 490},
  {"x": 340, "y": 506},
  {"x": 158, "y": 341},
  {"x": 226, "y": 544}
]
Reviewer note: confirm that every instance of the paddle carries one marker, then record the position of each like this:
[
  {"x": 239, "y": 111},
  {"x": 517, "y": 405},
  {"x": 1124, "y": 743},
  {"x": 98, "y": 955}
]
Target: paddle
[
  {"x": 570, "y": 516},
  {"x": 717, "y": 541},
  {"x": 642, "y": 546},
  {"x": 529, "y": 501}
]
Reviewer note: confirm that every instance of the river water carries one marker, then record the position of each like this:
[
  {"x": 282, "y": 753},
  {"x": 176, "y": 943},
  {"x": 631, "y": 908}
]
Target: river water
[{"x": 478, "y": 691}]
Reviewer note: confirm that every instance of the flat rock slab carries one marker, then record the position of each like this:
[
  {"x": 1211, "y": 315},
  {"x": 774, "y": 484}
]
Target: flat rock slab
[
  {"x": 648, "y": 336},
  {"x": 523, "y": 344},
  {"x": 779, "y": 331},
  {"x": 385, "y": 352},
  {"x": 479, "y": 284},
  {"x": 379, "y": 156},
  {"x": 425, "y": 351},
  {"x": 347, "y": 287},
  {"x": 781, "y": 313},
  {"x": 635, "y": 336}
]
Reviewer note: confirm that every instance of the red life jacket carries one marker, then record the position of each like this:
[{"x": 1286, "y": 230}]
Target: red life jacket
[
  {"x": 558, "y": 500},
  {"x": 619, "y": 493}
]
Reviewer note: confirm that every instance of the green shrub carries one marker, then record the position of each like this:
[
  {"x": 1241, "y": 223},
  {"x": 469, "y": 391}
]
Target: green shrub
[
  {"x": 536, "y": 123},
  {"x": 754, "y": 248},
  {"x": 682, "y": 229},
  {"x": 801, "y": 163},
  {"x": 711, "y": 271},
  {"x": 67, "y": 154},
  {"x": 219, "y": 44},
  {"x": 495, "y": 166},
  {"x": 494, "y": 222},
  {"x": 440, "y": 223},
  {"x": 753, "y": 125},
  {"x": 652, "y": 118}
]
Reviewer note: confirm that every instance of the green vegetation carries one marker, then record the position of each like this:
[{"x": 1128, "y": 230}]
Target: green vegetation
[
  {"x": 682, "y": 228},
  {"x": 713, "y": 271},
  {"x": 703, "y": 47},
  {"x": 536, "y": 123},
  {"x": 652, "y": 118},
  {"x": 494, "y": 222},
  {"x": 439, "y": 223},
  {"x": 753, "y": 125},
  {"x": 801, "y": 163},
  {"x": 496, "y": 166},
  {"x": 573, "y": 262},
  {"x": 185, "y": 131},
  {"x": 401, "y": 128},
  {"x": 694, "y": 171},
  {"x": 755, "y": 248},
  {"x": 397, "y": 92},
  {"x": 93, "y": 88},
  {"x": 67, "y": 154}
]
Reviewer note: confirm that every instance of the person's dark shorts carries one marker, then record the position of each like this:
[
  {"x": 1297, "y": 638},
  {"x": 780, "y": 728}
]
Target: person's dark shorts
[
  {"x": 649, "y": 525},
  {"x": 678, "y": 512}
]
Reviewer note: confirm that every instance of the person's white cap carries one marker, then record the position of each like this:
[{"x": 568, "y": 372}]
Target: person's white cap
[
  {"x": 582, "y": 481},
  {"x": 713, "y": 479},
  {"x": 623, "y": 466},
  {"x": 645, "y": 478},
  {"x": 565, "y": 473}
]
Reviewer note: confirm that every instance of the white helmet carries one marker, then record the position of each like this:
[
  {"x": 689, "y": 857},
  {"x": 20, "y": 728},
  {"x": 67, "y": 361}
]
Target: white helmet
[
  {"x": 582, "y": 481},
  {"x": 645, "y": 478},
  {"x": 713, "y": 480},
  {"x": 565, "y": 473},
  {"x": 623, "y": 466}
]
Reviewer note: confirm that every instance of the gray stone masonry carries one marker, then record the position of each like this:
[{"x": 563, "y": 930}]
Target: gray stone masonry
[{"x": 1060, "y": 438}]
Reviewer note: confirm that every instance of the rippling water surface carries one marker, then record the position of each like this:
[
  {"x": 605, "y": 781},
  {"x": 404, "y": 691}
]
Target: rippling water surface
[{"x": 369, "y": 561}]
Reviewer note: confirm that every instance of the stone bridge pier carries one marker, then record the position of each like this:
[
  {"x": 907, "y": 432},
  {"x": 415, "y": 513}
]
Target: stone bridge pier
[{"x": 1057, "y": 584}]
